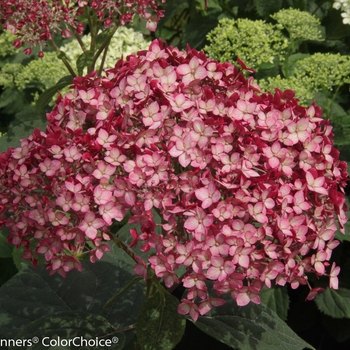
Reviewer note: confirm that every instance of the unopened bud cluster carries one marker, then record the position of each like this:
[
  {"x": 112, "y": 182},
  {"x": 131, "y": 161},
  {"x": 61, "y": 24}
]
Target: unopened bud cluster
[{"x": 36, "y": 21}]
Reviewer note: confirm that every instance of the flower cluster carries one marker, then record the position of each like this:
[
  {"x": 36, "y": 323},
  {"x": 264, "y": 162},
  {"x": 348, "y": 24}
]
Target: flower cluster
[
  {"x": 248, "y": 184},
  {"x": 316, "y": 73},
  {"x": 36, "y": 21},
  {"x": 300, "y": 25},
  {"x": 254, "y": 42},
  {"x": 6, "y": 47}
]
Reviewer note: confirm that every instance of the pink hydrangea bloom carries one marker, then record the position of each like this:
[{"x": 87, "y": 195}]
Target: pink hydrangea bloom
[{"x": 222, "y": 163}]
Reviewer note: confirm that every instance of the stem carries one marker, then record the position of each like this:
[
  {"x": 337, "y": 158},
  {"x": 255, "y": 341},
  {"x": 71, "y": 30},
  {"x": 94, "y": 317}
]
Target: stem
[
  {"x": 102, "y": 61},
  {"x": 111, "y": 301},
  {"x": 78, "y": 37},
  {"x": 121, "y": 330},
  {"x": 330, "y": 102},
  {"x": 93, "y": 32},
  {"x": 103, "y": 46},
  {"x": 286, "y": 61},
  {"x": 123, "y": 246},
  {"x": 65, "y": 62}
]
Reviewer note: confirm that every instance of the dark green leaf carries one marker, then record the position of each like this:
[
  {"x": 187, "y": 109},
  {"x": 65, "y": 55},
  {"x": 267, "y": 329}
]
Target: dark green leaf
[
  {"x": 104, "y": 35},
  {"x": 251, "y": 327},
  {"x": 172, "y": 10},
  {"x": 19, "y": 131},
  {"x": 8, "y": 96},
  {"x": 84, "y": 60},
  {"x": 48, "y": 94},
  {"x": 159, "y": 326},
  {"x": 266, "y": 7},
  {"x": 338, "y": 328},
  {"x": 7, "y": 270},
  {"x": 81, "y": 327},
  {"x": 117, "y": 256},
  {"x": 62, "y": 56},
  {"x": 196, "y": 30},
  {"x": 19, "y": 262},
  {"x": 340, "y": 236},
  {"x": 336, "y": 29},
  {"x": 33, "y": 294},
  {"x": 6, "y": 249},
  {"x": 292, "y": 60},
  {"x": 334, "y": 303},
  {"x": 277, "y": 299},
  {"x": 13, "y": 102},
  {"x": 343, "y": 237}
]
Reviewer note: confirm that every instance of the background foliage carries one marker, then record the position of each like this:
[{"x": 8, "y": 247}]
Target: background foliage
[{"x": 311, "y": 57}]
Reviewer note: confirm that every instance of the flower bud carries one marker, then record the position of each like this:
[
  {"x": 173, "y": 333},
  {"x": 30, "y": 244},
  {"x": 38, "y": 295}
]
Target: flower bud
[
  {"x": 66, "y": 33},
  {"x": 17, "y": 43}
]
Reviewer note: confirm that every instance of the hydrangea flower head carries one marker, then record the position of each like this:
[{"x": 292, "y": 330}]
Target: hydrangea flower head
[{"x": 248, "y": 184}]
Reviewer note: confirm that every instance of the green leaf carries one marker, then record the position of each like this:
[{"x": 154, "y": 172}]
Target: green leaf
[
  {"x": 265, "y": 7},
  {"x": 7, "y": 270},
  {"x": 18, "y": 131},
  {"x": 159, "y": 325},
  {"x": 33, "y": 294},
  {"x": 62, "y": 55},
  {"x": 292, "y": 60},
  {"x": 119, "y": 257},
  {"x": 19, "y": 262},
  {"x": 84, "y": 60},
  {"x": 277, "y": 299},
  {"x": 334, "y": 303},
  {"x": 104, "y": 35},
  {"x": 340, "y": 236},
  {"x": 171, "y": 25},
  {"x": 81, "y": 327},
  {"x": 8, "y": 96},
  {"x": 13, "y": 106},
  {"x": 196, "y": 30},
  {"x": 251, "y": 327},
  {"x": 6, "y": 248},
  {"x": 48, "y": 94}
]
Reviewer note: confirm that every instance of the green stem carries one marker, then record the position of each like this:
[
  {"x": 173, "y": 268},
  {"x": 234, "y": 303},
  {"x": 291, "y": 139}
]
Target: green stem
[
  {"x": 92, "y": 21},
  {"x": 160, "y": 288},
  {"x": 123, "y": 246},
  {"x": 102, "y": 61},
  {"x": 103, "y": 46},
  {"x": 121, "y": 330},
  {"x": 65, "y": 62},
  {"x": 330, "y": 102},
  {"x": 286, "y": 60},
  {"x": 111, "y": 301},
  {"x": 78, "y": 37}
]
